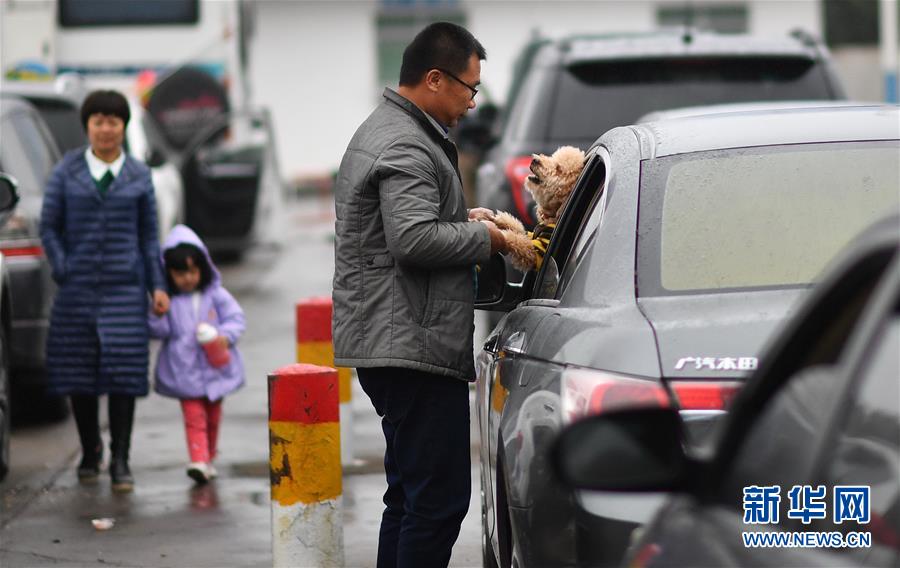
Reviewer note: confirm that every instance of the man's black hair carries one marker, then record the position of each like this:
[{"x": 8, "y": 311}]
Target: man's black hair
[
  {"x": 441, "y": 45},
  {"x": 105, "y": 102},
  {"x": 176, "y": 259}
]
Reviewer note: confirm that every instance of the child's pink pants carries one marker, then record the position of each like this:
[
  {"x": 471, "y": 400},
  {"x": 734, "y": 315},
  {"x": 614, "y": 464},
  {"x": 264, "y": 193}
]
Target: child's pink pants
[{"x": 201, "y": 424}]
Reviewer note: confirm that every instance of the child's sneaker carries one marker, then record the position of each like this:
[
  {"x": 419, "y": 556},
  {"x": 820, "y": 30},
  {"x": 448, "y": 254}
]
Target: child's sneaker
[
  {"x": 211, "y": 469},
  {"x": 199, "y": 472}
]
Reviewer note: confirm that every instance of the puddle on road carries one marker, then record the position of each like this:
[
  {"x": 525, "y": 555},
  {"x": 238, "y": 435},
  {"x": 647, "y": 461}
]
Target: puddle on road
[
  {"x": 261, "y": 469},
  {"x": 260, "y": 498},
  {"x": 250, "y": 469},
  {"x": 204, "y": 497}
]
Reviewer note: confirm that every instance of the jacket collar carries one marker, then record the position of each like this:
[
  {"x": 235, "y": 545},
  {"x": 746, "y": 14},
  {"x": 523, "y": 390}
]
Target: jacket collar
[
  {"x": 99, "y": 168},
  {"x": 427, "y": 122},
  {"x": 79, "y": 170}
]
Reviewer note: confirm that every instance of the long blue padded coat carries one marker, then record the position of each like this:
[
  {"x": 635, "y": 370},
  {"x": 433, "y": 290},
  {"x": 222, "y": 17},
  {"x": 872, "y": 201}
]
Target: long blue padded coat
[{"x": 104, "y": 256}]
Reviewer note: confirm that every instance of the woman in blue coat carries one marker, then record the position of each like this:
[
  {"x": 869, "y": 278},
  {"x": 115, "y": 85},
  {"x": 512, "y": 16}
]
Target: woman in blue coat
[{"x": 99, "y": 231}]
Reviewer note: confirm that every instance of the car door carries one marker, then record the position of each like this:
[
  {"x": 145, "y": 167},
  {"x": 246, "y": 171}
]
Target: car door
[
  {"x": 503, "y": 366},
  {"x": 29, "y": 153},
  {"x": 826, "y": 414}
]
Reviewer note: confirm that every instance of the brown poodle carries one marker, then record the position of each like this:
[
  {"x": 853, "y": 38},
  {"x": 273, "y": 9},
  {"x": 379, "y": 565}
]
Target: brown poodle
[{"x": 550, "y": 183}]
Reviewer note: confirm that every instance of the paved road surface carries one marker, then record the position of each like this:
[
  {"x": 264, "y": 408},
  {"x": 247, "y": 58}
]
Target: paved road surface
[{"x": 167, "y": 522}]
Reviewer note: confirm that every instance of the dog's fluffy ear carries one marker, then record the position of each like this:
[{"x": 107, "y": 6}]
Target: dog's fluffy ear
[{"x": 568, "y": 159}]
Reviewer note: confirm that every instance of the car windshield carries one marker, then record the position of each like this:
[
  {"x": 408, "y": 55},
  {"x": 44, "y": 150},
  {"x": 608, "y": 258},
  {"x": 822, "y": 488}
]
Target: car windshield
[
  {"x": 757, "y": 218},
  {"x": 596, "y": 96}
]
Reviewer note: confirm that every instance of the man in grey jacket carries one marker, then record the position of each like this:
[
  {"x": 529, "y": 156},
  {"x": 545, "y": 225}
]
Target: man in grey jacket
[{"x": 404, "y": 287}]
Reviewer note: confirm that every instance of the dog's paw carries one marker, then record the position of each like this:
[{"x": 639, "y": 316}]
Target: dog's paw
[
  {"x": 506, "y": 221},
  {"x": 520, "y": 250}
]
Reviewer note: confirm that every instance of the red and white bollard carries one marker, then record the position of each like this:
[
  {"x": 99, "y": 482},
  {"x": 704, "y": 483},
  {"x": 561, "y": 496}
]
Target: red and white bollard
[
  {"x": 315, "y": 346},
  {"x": 305, "y": 467}
]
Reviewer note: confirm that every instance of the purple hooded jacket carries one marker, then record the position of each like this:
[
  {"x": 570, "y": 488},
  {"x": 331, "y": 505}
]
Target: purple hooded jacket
[{"x": 182, "y": 370}]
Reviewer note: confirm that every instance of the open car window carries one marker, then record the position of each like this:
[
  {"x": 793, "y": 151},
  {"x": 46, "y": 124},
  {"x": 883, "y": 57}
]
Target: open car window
[{"x": 573, "y": 232}]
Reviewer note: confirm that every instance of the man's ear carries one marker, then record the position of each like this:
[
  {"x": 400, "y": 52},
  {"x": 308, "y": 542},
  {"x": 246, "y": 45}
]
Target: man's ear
[{"x": 433, "y": 80}]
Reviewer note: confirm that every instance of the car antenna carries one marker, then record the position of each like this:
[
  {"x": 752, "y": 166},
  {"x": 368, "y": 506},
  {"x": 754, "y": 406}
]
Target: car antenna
[{"x": 688, "y": 37}]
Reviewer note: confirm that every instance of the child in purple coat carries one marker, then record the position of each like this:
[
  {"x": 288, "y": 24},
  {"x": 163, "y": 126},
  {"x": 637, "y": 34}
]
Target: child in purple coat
[{"x": 183, "y": 370}]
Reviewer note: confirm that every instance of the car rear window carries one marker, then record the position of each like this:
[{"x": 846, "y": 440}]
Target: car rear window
[
  {"x": 594, "y": 97},
  {"x": 758, "y": 218}
]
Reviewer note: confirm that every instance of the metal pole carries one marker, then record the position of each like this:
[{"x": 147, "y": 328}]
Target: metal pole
[{"x": 887, "y": 15}]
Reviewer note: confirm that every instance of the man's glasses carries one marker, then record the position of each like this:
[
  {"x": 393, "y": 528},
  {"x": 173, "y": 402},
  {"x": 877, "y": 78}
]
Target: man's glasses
[{"x": 452, "y": 76}]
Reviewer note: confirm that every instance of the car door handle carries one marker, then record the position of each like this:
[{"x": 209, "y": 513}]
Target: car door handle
[{"x": 541, "y": 303}]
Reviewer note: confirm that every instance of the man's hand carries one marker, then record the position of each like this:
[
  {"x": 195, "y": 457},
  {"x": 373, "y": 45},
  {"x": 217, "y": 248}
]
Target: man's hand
[
  {"x": 498, "y": 241},
  {"x": 481, "y": 214},
  {"x": 160, "y": 302}
]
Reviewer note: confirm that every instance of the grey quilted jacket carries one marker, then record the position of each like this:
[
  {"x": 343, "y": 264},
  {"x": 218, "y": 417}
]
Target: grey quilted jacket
[{"x": 404, "y": 252}]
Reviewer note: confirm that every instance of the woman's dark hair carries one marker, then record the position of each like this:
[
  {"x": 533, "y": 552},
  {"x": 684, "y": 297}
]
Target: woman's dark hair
[
  {"x": 441, "y": 45},
  {"x": 105, "y": 102},
  {"x": 176, "y": 259}
]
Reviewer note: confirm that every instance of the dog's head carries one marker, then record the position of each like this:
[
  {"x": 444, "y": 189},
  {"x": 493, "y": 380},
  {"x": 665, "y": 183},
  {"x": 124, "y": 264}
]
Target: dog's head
[{"x": 552, "y": 179}]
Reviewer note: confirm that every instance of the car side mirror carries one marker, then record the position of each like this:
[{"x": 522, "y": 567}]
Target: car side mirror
[
  {"x": 628, "y": 450},
  {"x": 494, "y": 291},
  {"x": 9, "y": 193}
]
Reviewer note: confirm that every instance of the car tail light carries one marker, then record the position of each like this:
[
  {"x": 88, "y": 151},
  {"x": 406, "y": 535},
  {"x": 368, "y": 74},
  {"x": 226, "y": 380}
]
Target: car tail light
[
  {"x": 645, "y": 555},
  {"x": 587, "y": 392},
  {"x": 23, "y": 250},
  {"x": 517, "y": 171},
  {"x": 705, "y": 395}
]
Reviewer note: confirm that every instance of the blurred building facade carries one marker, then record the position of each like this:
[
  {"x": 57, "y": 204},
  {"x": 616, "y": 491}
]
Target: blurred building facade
[{"x": 320, "y": 65}]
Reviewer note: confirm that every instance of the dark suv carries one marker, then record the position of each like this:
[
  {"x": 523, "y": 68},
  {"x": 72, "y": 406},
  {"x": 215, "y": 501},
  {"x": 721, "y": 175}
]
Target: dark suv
[{"x": 571, "y": 91}]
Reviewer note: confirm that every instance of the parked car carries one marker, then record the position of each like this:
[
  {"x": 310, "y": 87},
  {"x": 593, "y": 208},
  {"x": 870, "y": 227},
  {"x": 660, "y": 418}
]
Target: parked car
[
  {"x": 684, "y": 112},
  {"x": 8, "y": 199},
  {"x": 168, "y": 187},
  {"x": 28, "y": 153},
  {"x": 822, "y": 412},
  {"x": 570, "y": 91},
  {"x": 59, "y": 104},
  {"x": 234, "y": 190},
  {"x": 226, "y": 159},
  {"x": 684, "y": 244}
]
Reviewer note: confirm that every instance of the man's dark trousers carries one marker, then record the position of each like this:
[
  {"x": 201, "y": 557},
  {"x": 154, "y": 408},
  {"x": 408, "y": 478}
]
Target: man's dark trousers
[{"x": 425, "y": 418}]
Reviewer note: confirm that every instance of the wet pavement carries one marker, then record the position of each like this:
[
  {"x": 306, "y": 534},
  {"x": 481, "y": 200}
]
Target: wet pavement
[{"x": 168, "y": 521}]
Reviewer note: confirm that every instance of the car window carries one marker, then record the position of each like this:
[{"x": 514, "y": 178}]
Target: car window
[
  {"x": 528, "y": 115},
  {"x": 586, "y": 234},
  {"x": 64, "y": 123},
  {"x": 573, "y": 219},
  {"x": 867, "y": 448},
  {"x": 782, "y": 419},
  {"x": 24, "y": 153},
  {"x": 38, "y": 143},
  {"x": 758, "y": 218},
  {"x": 595, "y": 96},
  {"x": 786, "y": 431}
]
